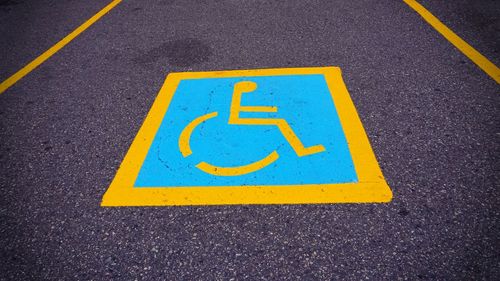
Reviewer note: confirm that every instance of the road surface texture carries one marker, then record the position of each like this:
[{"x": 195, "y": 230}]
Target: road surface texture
[{"x": 431, "y": 114}]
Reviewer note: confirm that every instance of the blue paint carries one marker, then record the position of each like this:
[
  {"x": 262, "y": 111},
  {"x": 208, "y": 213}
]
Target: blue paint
[{"x": 303, "y": 100}]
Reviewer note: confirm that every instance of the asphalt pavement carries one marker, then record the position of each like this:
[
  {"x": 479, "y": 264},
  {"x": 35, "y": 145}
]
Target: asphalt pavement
[{"x": 432, "y": 117}]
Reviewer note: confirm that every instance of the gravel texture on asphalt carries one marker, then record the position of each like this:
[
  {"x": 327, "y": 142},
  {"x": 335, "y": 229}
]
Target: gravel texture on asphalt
[{"x": 431, "y": 115}]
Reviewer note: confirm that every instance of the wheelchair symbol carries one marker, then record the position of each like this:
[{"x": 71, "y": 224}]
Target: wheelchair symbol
[{"x": 235, "y": 119}]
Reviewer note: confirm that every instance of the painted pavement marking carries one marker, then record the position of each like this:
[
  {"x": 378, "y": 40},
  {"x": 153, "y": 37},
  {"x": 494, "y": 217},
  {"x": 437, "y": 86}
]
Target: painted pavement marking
[
  {"x": 487, "y": 66},
  {"x": 54, "y": 49},
  {"x": 269, "y": 136}
]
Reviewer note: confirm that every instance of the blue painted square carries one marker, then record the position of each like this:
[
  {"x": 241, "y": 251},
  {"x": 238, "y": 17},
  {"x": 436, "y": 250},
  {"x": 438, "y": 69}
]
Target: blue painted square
[{"x": 303, "y": 100}]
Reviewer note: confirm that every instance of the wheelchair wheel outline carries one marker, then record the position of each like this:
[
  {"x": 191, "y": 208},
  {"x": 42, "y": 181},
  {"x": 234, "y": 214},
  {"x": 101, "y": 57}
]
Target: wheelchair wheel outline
[{"x": 185, "y": 149}]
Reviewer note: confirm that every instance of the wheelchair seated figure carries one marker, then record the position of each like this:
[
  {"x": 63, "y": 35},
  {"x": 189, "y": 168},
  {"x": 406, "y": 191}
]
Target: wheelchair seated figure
[{"x": 235, "y": 119}]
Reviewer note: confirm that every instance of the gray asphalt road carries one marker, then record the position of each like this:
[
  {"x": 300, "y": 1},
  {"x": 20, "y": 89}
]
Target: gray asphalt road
[{"x": 430, "y": 113}]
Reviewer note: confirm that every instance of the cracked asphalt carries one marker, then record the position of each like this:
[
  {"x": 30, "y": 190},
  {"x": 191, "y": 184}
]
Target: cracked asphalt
[{"x": 432, "y": 117}]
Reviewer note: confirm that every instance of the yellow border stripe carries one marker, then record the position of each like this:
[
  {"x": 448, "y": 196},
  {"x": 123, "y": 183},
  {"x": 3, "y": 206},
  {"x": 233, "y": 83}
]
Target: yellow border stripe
[
  {"x": 54, "y": 49},
  {"x": 481, "y": 61}
]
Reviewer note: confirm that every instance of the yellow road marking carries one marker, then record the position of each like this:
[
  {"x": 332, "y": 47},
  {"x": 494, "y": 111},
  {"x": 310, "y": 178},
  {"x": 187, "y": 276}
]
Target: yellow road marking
[
  {"x": 266, "y": 109},
  {"x": 185, "y": 149},
  {"x": 239, "y": 170},
  {"x": 185, "y": 136},
  {"x": 370, "y": 188},
  {"x": 282, "y": 124},
  {"x": 234, "y": 119},
  {"x": 481, "y": 61},
  {"x": 54, "y": 49}
]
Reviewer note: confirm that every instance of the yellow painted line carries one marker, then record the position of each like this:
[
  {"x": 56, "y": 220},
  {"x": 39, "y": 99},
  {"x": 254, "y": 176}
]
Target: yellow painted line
[
  {"x": 481, "y": 61},
  {"x": 240, "y": 170},
  {"x": 184, "y": 146},
  {"x": 54, "y": 49}
]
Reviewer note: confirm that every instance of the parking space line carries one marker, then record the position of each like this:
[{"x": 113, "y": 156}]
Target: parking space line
[
  {"x": 487, "y": 66},
  {"x": 54, "y": 49}
]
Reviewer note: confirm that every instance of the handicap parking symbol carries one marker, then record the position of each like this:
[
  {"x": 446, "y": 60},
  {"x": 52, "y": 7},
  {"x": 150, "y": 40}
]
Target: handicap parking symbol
[{"x": 272, "y": 136}]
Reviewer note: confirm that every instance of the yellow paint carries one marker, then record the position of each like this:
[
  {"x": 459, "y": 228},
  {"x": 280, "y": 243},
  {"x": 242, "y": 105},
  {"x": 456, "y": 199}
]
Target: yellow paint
[
  {"x": 371, "y": 186},
  {"x": 286, "y": 130},
  {"x": 185, "y": 149},
  {"x": 185, "y": 136},
  {"x": 258, "y": 109},
  {"x": 54, "y": 49},
  {"x": 239, "y": 170},
  {"x": 481, "y": 61}
]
